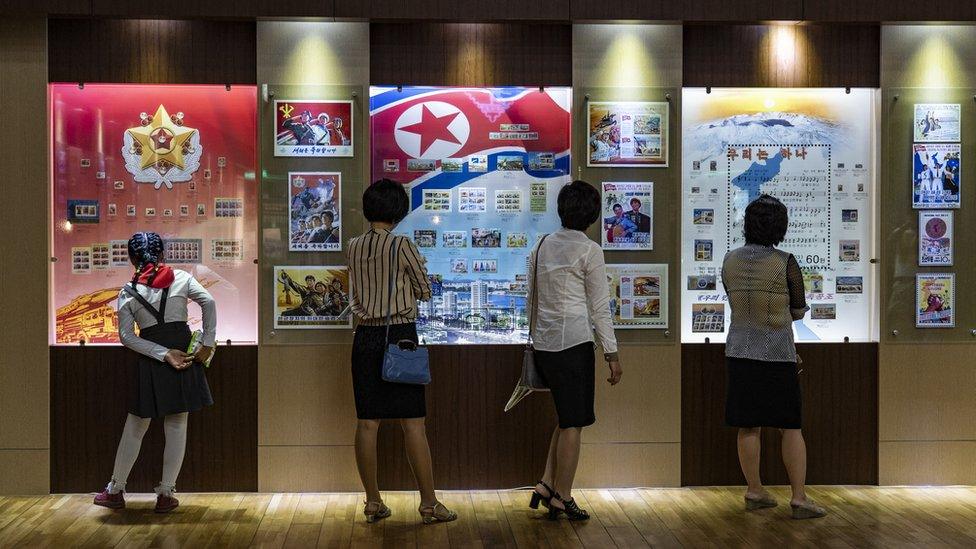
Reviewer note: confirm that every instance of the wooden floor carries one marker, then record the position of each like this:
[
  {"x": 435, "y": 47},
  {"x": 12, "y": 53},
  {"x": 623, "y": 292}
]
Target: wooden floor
[{"x": 686, "y": 517}]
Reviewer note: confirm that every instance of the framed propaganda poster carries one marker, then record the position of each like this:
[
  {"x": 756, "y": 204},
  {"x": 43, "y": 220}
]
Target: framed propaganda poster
[
  {"x": 483, "y": 167},
  {"x": 314, "y": 212},
  {"x": 176, "y": 160},
  {"x": 313, "y": 128},
  {"x": 935, "y": 300},
  {"x": 627, "y": 216},
  {"x": 308, "y": 297}
]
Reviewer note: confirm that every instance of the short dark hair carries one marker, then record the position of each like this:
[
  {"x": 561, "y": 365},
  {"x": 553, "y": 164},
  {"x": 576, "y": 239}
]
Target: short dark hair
[
  {"x": 766, "y": 221},
  {"x": 615, "y": 206},
  {"x": 578, "y": 205},
  {"x": 385, "y": 201},
  {"x": 328, "y": 213},
  {"x": 635, "y": 199}
]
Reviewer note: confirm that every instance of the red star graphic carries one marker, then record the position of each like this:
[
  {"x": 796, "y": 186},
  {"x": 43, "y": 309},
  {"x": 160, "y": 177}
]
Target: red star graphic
[
  {"x": 431, "y": 128},
  {"x": 162, "y": 138}
]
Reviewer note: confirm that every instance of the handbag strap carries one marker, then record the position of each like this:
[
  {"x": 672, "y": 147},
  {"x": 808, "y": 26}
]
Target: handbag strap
[
  {"x": 394, "y": 248},
  {"x": 160, "y": 313},
  {"x": 534, "y": 305}
]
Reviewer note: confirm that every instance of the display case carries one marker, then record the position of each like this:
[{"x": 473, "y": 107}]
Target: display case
[
  {"x": 178, "y": 160},
  {"x": 483, "y": 167},
  {"x": 813, "y": 149}
]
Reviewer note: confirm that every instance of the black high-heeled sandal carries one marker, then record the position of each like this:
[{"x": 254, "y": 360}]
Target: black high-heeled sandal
[
  {"x": 538, "y": 498},
  {"x": 571, "y": 510}
]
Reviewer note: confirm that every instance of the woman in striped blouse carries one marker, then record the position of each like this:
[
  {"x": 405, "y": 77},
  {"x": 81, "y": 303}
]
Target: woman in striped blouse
[{"x": 372, "y": 258}]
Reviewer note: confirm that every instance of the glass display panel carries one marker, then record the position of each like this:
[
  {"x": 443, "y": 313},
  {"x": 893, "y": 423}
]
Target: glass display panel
[
  {"x": 483, "y": 167},
  {"x": 814, "y": 150},
  {"x": 647, "y": 246},
  {"x": 178, "y": 160}
]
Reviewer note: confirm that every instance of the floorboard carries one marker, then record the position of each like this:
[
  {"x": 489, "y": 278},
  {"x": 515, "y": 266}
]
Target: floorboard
[{"x": 665, "y": 517}]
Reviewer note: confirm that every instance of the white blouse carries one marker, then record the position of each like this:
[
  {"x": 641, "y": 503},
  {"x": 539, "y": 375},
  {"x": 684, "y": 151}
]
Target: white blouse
[
  {"x": 574, "y": 298},
  {"x": 184, "y": 287}
]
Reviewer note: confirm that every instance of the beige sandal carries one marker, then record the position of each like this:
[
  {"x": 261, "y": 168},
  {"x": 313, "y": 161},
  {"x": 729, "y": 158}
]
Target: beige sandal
[
  {"x": 765, "y": 501},
  {"x": 437, "y": 513},
  {"x": 807, "y": 510},
  {"x": 375, "y": 510}
]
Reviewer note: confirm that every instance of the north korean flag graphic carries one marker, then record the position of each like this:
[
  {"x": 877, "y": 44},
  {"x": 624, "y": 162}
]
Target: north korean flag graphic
[{"x": 413, "y": 129}]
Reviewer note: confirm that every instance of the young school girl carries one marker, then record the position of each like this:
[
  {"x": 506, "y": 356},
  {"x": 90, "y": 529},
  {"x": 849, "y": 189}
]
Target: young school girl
[{"x": 168, "y": 382}]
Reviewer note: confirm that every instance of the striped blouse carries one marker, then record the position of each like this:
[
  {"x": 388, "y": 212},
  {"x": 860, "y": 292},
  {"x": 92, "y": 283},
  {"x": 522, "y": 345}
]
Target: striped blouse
[{"x": 369, "y": 276}]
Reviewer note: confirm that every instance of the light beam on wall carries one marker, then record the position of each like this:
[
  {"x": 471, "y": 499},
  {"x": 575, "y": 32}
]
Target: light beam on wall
[
  {"x": 935, "y": 63},
  {"x": 626, "y": 62},
  {"x": 784, "y": 45},
  {"x": 313, "y": 60}
]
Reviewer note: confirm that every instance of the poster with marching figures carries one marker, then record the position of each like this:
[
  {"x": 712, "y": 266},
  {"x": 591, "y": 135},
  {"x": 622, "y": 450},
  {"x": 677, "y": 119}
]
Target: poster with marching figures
[{"x": 309, "y": 128}]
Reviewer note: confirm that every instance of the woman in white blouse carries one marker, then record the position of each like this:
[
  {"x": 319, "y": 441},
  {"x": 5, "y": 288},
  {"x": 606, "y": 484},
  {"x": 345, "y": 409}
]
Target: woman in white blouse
[
  {"x": 569, "y": 282},
  {"x": 170, "y": 383}
]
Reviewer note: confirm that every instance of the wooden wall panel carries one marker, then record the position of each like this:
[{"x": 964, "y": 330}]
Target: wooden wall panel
[
  {"x": 469, "y": 54},
  {"x": 688, "y": 10},
  {"x": 782, "y": 56},
  {"x": 89, "y": 400},
  {"x": 743, "y": 11},
  {"x": 152, "y": 51},
  {"x": 40, "y": 8},
  {"x": 890, "y": 10},
  {"x": 455, "y": 10},
  {"x": 475, "y": 444},
  {"x": 24, "y": 254},
  {"x": 840, "y": 417},
  {"x": 187, "y": 9}
]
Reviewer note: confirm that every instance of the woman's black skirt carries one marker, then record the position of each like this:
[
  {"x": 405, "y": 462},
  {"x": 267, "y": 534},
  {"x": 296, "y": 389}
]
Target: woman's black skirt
[
  {"x": 159, "y": 389},
  {"x": 375, "y": 398},
  {"x": 570, "y": 376},
  {"x": 762, "y": 394}
]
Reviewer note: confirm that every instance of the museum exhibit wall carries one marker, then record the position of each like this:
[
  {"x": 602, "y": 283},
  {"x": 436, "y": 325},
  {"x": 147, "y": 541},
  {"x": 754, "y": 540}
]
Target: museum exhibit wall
[
  {"x": 24, "y": 445},
  {"x": 894, "y": 412},
  {"x": 927, "y": 423},
  {"x": 638, "y": 426}
]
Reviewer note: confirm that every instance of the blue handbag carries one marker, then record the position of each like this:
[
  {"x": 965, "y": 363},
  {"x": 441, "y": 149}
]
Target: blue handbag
[{"x": 403, "y": 361}]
